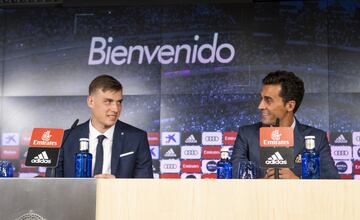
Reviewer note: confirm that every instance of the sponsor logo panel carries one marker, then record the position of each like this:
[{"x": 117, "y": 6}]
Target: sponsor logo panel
[
  {"x": 42, "y": 169},
  {"x": 276, "y": 158},
  {"x": 344, "y": 166},
  {"x": 43, "y": 156},
  {"x": 229, "y": 137},
  {"x": 341, "y": 152},
  {"x": 191, "y": 166},
  {"x": 153, "y": 138},
  {"x": 208, "y": 166},
  {"x": 346, "y": 176},
  {"x": 211, "y": 138},
  {"x": 193, "y": 138},
  {"x": 356, "y": 138},
  {"x": 25, "y": 138},
  {"x": 276, "y": 137},
  {"x": 190, "y": 152},
  {"x": 356, "y": 166},
  {"x": 170, "y": 152},
  {"x": 357, "y": 177},
  {"x": 170, "y": 138},
  {"x": 211, "y": 152},
  {"x": 170, "y": 176},
  {"x": 155, "y": 152},
  {"x": 28, "y": 175},
  {"x": 10, "y": 153},
  {"x": 25, "y": 169},
  {"x": 10, "y": 139},
  {"x": 191, "y": 176},
  {"x": 46, "y": 137},
  {"x": 340, "y": 138},
  {"x": 170, "y": 166},
  {"x": 356, "y": 152},
  {"x": 209, "y": 176}
]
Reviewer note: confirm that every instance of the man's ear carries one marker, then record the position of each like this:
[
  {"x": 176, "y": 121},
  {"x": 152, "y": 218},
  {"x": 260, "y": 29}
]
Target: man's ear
[
  {"x": 90, "y": 101},
  {"x": 290, "y": 105}
]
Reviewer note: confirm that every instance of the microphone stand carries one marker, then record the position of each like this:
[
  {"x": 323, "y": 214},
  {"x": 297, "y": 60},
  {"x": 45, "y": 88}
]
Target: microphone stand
[{"x": 53, "y": 169}]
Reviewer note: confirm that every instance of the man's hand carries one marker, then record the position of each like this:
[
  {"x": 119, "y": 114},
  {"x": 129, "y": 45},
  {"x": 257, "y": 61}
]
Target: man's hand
[
  {"x": 284, "y": 173},
  {"x": 104, "y": 176}
]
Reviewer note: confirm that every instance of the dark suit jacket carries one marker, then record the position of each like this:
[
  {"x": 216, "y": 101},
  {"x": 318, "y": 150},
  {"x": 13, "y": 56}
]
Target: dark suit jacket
[
  {"x": 246, "y": 147},
  {"x": 126, "y": 139}
]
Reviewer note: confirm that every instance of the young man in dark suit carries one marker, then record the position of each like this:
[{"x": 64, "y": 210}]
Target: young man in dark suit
[
  {"x": 119, "y": 150},
  {"x": 281, "y": 96}
]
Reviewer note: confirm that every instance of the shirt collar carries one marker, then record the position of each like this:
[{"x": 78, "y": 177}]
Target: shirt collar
[
  {"x": 293, "y": 124},
  {"x": 95, "y": 133}
]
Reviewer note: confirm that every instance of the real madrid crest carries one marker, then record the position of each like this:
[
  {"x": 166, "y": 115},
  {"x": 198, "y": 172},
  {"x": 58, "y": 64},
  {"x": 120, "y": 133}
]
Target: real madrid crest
[{"x": 31, "y": 215}]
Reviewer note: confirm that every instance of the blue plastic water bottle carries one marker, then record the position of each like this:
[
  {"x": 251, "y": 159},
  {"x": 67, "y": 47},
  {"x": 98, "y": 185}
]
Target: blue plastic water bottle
[
  {"x": 83, "y": 160},
  {"x": 310, "y": 160},
  {"x": 6, "y": 169},
  {"x": 224, "y": 166}
]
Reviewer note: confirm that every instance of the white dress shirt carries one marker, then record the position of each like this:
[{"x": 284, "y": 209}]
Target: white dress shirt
[
  {"x": 293, "y": 124},
  {"x": 107, "y": 146}
]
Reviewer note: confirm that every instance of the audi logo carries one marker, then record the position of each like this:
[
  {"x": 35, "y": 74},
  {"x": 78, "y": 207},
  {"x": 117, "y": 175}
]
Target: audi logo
[
  {"x": 211, "y": 138},
  {"x": 170, "y": 166},
  {"x": 191, "y": 152},
  {"x": 341, "y": 153}
]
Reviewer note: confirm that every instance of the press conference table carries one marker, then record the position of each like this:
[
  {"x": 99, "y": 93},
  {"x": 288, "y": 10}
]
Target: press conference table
[
  {"x": 171, "y": 199},
  {"x": 228, "y": 199}
]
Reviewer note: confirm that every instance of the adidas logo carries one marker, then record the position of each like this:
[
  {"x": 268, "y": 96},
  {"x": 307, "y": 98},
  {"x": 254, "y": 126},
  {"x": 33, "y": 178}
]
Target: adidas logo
[
  {"x": 276, "y": 158},
  {"x": 191, "y": 140},
  {"x": 41, "y": 158},
  {"x": 170, "y": 153},
  {"x": 341, "y": 140}
]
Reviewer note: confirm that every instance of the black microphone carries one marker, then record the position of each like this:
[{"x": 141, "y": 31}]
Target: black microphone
[
  {"x": 52, "y": 170},
  {"x": 70, "y": 130},
  {"x": 277, "y": 124}
]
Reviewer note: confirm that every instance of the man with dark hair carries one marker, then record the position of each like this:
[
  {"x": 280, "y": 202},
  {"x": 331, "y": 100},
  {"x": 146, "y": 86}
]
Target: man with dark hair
[
  {"x": 119, "y": 149},
  {"x": 281, "y": 96}
]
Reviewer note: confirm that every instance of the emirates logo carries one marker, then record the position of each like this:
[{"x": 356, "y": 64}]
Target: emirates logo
[
  {"x": 46, "y": 136},
  {"x": 275, "y": 135}
]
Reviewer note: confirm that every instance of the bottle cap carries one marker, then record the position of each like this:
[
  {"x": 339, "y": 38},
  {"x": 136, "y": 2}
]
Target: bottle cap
[
  {"x": 310, "y": 142},
  {"x": 224, "y": 153},
  {"x": 84, "y": 144},
  {"x": 224, "y": 149}
]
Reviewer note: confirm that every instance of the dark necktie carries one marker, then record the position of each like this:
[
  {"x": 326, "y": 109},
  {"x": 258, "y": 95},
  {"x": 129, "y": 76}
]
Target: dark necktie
[{"x": 99, "y": 155}]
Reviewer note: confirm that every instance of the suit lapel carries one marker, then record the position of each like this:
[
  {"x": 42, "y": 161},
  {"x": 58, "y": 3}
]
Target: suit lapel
[
  {"x": 298, "y": 139},
  {"x": 82, "y": 132},
  {"x": 257, "y": 142},
  {"x": 118, "y": 139}
]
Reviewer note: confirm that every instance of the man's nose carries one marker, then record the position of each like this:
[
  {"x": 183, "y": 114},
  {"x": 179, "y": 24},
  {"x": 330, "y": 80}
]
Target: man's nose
[
  {"x": 261, "y": 105},
  {"x": 115, "y": 107}
]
